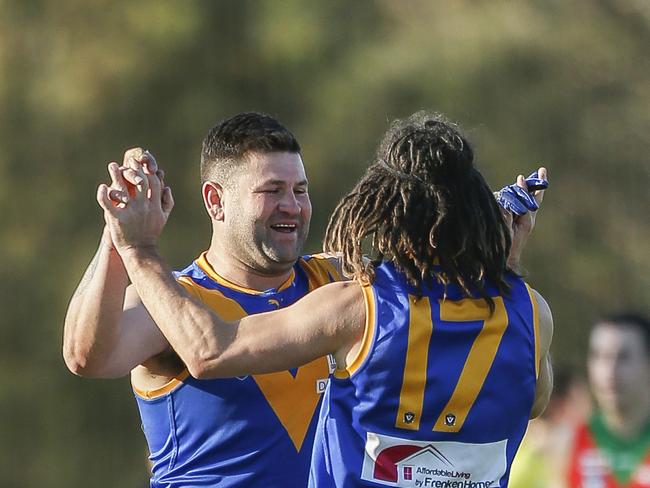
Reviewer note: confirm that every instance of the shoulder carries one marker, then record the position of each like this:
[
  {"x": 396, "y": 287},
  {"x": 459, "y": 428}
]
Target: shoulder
[
  {"x": 342, "y": 293},
  {"x": 193, "y": 276},
  {"x": 545, "y": 318},
  {"x": 338, "y": 306},
  {"x": 342, "y": 308},
  {"x": 541, "y": 310}
]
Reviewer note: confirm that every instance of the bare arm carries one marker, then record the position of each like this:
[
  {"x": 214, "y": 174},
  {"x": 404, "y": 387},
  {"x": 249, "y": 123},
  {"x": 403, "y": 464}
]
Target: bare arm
[
  {"x": 97, "y": 300},
  {"x": 521, "y": 226},
  {"x": 208, "y": 346},
  {"x": 261, "y": 343},
  {"x": 107, "y": 331},
  {"x": 545, "y": 379}
]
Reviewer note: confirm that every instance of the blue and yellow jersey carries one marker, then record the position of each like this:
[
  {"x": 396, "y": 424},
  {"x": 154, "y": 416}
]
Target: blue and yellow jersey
[
  {"x": 439, "y": 394},
  {"x": 245, "y": 431}
]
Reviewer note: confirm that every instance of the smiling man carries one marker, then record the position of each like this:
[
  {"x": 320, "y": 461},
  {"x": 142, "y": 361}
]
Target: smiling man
[
  {"x": 243, "y": 431},
  {"x": 246, "y": 431},
  {"x": 441, "y": 351}
]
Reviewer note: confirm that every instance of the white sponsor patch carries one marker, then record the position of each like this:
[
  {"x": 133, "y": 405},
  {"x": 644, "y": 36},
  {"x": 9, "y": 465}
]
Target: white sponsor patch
[{"x": 392, "y": 461}]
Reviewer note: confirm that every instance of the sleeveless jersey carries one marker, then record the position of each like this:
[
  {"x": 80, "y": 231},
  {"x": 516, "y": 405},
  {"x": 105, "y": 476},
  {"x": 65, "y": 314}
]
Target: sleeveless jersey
[
  {"x": 244, "y": 431},
  {"x": 440, "y": 393},
  {"x": 590, "y": 466}
]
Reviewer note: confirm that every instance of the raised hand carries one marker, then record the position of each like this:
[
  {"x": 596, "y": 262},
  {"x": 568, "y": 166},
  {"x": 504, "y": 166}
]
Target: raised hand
[
  {"x": 137, "y": 204},
  {"x": 125, "y": 181},
  {"x": 520, "y": 212}
]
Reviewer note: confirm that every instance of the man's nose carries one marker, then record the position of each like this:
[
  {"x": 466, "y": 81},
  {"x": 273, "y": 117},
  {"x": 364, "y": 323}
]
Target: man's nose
[{"x": 289, "y": 204}]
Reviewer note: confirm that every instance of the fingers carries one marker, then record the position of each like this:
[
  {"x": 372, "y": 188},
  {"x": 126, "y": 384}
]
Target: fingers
[
  {"x": 132, "y": 153},
  {"x": 133, "y": 175},
  {"x": 167, "y": 200},
  {"x": 521, "y": 183},
  {"x": 117, "y": 181},
  {"x": 139, "y": 181},
  {"x": 138, "y": 178},
  {"x": 104, "y": 200},
  {"x": 118, "y": 197},
  {"x": 515, "y": 199},
  {"x": 539, "y": 194},
  {"x": 149, "y": 163},
  {"x": 138, "y": 156},
  {"x": 155, "y": 187}
]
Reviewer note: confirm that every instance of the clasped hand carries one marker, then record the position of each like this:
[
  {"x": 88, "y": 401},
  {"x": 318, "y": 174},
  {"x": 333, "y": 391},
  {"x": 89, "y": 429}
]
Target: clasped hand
[
  {"x": 137, "y": 203},
  {"x": 521, "y": 224}
]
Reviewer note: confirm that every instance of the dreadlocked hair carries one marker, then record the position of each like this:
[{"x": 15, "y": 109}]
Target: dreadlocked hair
[{"x": 424, "y": 206}]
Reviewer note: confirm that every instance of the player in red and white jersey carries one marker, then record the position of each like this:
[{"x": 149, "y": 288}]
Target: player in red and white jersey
[{"x": 612, "y": 449}]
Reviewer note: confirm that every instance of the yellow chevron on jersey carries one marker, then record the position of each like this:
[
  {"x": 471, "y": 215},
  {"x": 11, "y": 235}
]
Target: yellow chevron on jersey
[{"x": 246, "y": 431}]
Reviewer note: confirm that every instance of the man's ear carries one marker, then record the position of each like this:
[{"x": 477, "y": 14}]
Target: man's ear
[{"x": 213, "y": 200}]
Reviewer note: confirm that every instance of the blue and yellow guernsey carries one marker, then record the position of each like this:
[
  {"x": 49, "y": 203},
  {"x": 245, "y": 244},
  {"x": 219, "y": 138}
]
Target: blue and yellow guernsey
[
  {"x": 245, "y": 431},
  {"x": 439, "y": 394}
]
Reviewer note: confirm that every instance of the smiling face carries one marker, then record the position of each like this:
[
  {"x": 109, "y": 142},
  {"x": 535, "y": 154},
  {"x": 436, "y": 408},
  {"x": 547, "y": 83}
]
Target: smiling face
[{"x": 267, "y": 211}]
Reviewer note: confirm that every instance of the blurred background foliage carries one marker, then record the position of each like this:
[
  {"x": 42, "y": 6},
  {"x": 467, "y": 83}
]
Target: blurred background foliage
[{"x": 565, "y": 83}]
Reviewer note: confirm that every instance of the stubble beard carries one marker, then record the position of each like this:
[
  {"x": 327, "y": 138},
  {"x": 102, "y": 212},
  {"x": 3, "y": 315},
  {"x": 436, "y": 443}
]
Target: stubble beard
[
  {"x": 281, "y": 256},
  {"x": 258, "y": 251}
]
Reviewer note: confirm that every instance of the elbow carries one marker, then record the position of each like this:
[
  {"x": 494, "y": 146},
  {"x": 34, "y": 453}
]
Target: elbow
[
  {"x": 74, "y": 356},
  {"x": 206, "y": 366},
  {"x": 545, "y": 390},
  {"x": 540, "y": 406},
  {"x": 79, "y": 362},
  {"x": 209, "y": 355},
  {"x": 201, "y": 369}
]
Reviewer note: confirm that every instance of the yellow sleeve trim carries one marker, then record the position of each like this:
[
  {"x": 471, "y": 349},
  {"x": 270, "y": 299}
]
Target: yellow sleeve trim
[
  {"x": 368, "y": 335},
  {"x": 320, "y": 271},
  {"x": 533, "y": 302},
  {"x": 163, "y": 390}
]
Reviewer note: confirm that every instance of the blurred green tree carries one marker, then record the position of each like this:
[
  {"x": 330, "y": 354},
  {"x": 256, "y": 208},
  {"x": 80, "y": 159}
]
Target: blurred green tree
[{"x": 566, "y": 84}]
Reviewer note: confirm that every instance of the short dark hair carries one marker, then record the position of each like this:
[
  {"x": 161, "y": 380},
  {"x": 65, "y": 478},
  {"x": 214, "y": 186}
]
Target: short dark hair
[
  {"x": 228, "y": 142},
  {"x": 422, "y": 199},
  {"x": 629, "y": 319}
]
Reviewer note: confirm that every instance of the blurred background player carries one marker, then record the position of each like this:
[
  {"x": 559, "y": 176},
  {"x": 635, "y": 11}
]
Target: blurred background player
[
  {"x": 612, "y": 449},
  {"x": 442, "y": 353}
]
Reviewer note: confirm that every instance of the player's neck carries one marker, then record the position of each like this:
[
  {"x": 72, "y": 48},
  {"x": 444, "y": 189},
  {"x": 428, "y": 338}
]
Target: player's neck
[{"x": 239, "y": 273}]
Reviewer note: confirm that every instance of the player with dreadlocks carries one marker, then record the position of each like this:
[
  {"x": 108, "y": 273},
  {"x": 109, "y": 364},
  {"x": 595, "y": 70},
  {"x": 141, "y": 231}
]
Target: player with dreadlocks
[
  {"x": 441, "y": 350},
  {"x": 415, "y": 185}
]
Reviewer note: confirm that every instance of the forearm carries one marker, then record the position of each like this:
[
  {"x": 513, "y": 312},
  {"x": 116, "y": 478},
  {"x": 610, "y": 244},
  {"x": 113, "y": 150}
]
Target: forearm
[
  {"x": 92, "y": 322},
  {"x": 514, "y": 258},
  {"x": 195, "y": 332}
]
